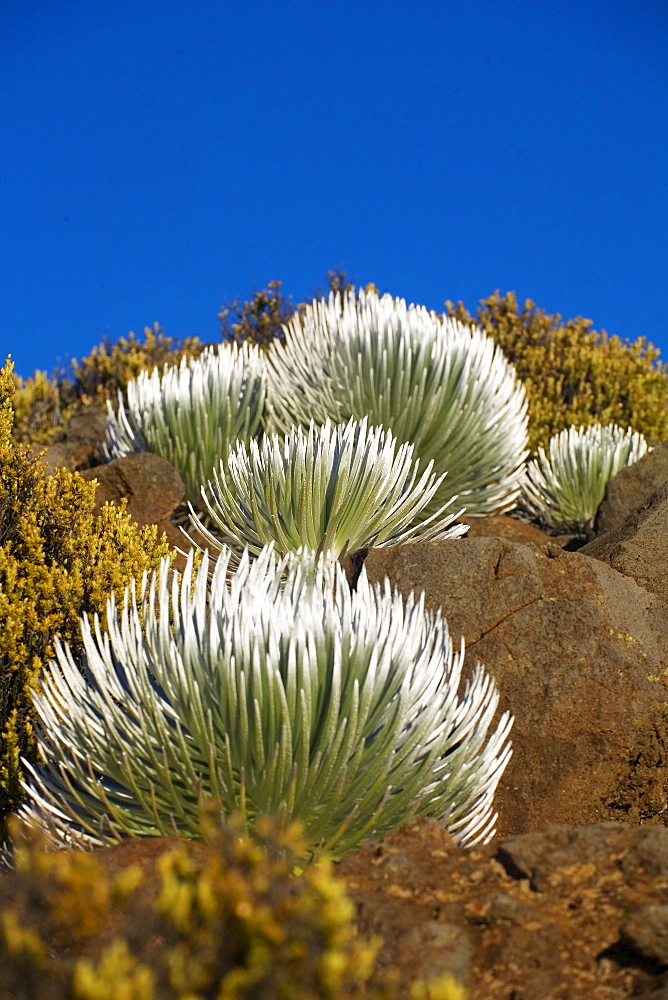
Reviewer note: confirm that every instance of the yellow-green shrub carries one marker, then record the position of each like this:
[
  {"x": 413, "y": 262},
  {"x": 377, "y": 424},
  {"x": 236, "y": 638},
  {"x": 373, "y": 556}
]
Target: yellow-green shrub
[
  {"x": 40, "y": 411},
  {"x": 109, "y": 367},
  {"x": 572, "y": 374},
  {"x": 44, "y": 404},
  {"x": 260, "y": 319},
  {"x": 58, "y": 559},
  {"x": 229, "y": 922}
]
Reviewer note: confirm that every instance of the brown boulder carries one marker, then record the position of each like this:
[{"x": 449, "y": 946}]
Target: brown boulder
[
  {"x": 631, "y": 487},
  {"x": 639, "y": 548},
  {"x": 80, "y": 446},
  {"x": 504, "y": 526},
  {"x": 579, "y": 654},
  {"x": 152, "y": 486}
]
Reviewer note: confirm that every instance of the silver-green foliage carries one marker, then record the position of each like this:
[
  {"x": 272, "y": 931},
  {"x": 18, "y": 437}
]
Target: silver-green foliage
[
  {"x": 564, "y": 487},
  {"x": 274, "y": 690},
  {"x": 193, "y": 412},
  {"x": 333, "y": 489},
  {"x": 431, "y": 380}
]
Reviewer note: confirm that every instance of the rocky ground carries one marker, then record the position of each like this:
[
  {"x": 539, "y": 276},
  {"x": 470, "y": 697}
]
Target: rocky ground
[
  {"x": 570, "y": 901},
  {"x": 560, "y": 914}
]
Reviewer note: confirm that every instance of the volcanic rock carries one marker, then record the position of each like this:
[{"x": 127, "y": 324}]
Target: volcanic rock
[
  {"x": 80, "y": 445},
  {"x": 152, "y": 486},
  {"x": 579, "y": 653},
  {"x": 631, "y": 487},
  {"x": 572, "y": 913},
  {"x": 639, "y": 547},
  {"x": 504, "y": 526}
]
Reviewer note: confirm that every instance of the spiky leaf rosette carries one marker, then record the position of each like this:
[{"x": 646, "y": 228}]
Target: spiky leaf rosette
[
  {"x": 333, "y": 489},
  {"x": 444, "y": 386},
  {"x": 192, "y": 413},
  {"x": 564, "y": 487},
  {"x": 276, "y": 691}
]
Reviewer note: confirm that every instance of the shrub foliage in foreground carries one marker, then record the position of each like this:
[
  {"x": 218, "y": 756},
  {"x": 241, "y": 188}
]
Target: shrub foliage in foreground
[
  {"x": 572, "y": 374},
  {"x": 226, "y": 923},
  {"x": 58, "y": 560},
  {"x": 276, "y": 691}
]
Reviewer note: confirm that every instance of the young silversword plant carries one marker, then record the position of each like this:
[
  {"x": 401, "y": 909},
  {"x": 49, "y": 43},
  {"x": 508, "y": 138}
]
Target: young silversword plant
[
  {"x": 274, "y": 691},
  {"x": 333, "y": 489},
  {"x": 435, "y": 382},
  {"x": 193, "y": 412},
  {"x": 565, "y": 486}
]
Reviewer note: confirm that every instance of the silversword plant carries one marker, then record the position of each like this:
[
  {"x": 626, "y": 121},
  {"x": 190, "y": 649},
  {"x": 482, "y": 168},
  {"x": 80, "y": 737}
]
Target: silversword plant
[
  {"x": 192, "y": 413},
  {"x": 333, "y": 489},
  {"x": 275, "y": 691},
  {"x": 565, "y": 486},
  {"x": 437, "y": 383}
]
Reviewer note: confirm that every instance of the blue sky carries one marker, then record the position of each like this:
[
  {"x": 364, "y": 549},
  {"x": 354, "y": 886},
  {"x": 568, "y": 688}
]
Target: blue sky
[{"x": 160, "y": 158}]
